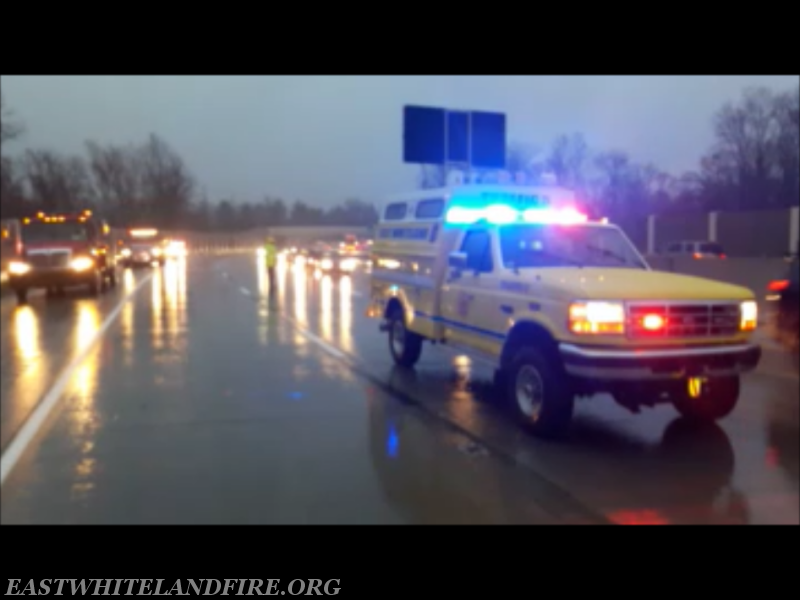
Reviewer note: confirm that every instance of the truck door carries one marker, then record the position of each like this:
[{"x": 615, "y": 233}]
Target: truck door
[{"x": 467, "y": 296}]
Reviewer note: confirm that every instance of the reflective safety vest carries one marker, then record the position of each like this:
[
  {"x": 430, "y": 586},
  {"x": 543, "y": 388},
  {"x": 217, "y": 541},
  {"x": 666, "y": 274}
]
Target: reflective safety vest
[{"x": 271, "y": 254}]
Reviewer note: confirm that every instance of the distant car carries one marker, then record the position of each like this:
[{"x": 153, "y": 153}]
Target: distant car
[
  {"x": 331, "y": 262},
  {"x": 694, "y": 248},
  {"x": 783, "y": 296}
]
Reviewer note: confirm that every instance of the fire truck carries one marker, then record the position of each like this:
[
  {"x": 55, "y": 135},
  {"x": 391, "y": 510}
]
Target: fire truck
[{"x": 63, "y": 250}]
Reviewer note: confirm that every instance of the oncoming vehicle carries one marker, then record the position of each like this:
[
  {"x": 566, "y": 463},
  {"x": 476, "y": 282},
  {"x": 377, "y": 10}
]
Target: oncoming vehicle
[
  {"x": 143, "y": 247},
  {"x": 63, "y": 250},
  {"x": 564, "y": 307}
]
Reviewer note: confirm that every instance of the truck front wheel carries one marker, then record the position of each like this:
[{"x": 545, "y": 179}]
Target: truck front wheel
[
  {"x": 22, "y": 295},
  {"x": 707, "y": 399},
  {"x": 404, "y": 345},
  {"x": 540, "y": 394}
]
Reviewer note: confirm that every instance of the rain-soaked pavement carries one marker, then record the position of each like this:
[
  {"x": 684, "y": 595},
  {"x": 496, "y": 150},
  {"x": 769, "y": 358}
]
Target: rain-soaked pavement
[{"x": 208, "y": 400}]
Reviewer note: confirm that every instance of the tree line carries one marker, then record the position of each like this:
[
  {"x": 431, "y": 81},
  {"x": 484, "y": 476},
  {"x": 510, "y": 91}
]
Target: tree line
[{"x": 753, "y": 164}]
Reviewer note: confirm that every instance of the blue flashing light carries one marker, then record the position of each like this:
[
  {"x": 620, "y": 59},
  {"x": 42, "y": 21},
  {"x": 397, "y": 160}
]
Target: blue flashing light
[{"x": 503, "y": 214}]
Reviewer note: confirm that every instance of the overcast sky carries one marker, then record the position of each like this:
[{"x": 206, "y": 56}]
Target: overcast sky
[{"x": 324, "y": 138}]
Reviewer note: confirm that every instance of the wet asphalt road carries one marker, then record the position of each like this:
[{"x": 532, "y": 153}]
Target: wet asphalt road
[{"x": 208, "y": 400}]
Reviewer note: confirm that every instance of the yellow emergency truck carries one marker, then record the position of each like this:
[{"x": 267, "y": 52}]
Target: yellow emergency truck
[{"x": 564, "y": 306}]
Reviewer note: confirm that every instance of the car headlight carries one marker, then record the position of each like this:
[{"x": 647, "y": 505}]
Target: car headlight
[
  {"x": 156, "y": 251},
  {"x": 125, "y": 252},
  {"x": 82, "y": 263},
  {"x": 348, "y": 265},
  {"x": 18, "y": 268},
  {"x": 326, "y": 264},
  {"x": 749, "y": 314},
  {"x": 597, "y": 317}
]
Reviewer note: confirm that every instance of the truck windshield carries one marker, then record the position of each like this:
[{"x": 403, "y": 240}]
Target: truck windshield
[
  {"x": 543, "y": 246},
  {"x": 55, "y": 232}
]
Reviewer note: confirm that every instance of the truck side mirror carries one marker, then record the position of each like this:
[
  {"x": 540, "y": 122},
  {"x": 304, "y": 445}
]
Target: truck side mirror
[{"x": 457, "y": 261}]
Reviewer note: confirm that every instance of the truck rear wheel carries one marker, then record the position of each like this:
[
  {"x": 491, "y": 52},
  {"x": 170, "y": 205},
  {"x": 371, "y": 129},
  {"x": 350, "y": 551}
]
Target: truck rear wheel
[
  {"x": 540, "y": 394},
  {"x": 708, "y": 399},
  {"x": 404, "y": 345}
]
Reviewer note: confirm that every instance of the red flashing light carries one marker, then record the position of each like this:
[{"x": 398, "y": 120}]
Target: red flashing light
[{"x": 778, "y": 286}]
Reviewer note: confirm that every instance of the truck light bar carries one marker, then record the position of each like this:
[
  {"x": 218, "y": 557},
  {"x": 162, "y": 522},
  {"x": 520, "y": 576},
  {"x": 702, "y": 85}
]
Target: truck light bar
[{"x": 503, "y": 214}]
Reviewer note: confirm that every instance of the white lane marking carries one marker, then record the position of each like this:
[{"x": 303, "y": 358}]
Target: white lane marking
[
  {"x": 357, "y": 294},
  {"x": 245, "y": 291},
  {"x": 30, "y": 429},
  {"x": 332, "y": 350}
]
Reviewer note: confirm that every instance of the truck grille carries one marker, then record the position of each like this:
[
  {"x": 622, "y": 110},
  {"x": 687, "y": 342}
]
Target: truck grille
[
  {"x": 49, "y": 261},
  {"x": 686, "y": 320}
]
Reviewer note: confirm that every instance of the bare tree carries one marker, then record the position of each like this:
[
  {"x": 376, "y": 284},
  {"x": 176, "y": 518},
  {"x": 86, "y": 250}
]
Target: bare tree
[
  {"x": 57, "y": 182},
  {"x": 10, "y": 127},
  {"x": 116, "y": 177},
  {"x": 12, "y": 191},
  {"x": 569, "y": 160},
  {"x": 167, "y": 186}
]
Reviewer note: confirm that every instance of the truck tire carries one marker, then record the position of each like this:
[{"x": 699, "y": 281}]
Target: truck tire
[
  {"x": 22, "y": 295},
  {"x": 112, "y": 278},
  {"x": 404, "y": 345},
  {"x": 716, "y": 399},
  {"x": 540, "y": 394}
]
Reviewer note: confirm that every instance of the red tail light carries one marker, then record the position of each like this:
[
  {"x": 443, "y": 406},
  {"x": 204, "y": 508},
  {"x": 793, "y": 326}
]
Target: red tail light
[
  {"x": 722, "y": 256},
  {"x": 778, "y": 286},
  {"x": 697, "y": 255}
]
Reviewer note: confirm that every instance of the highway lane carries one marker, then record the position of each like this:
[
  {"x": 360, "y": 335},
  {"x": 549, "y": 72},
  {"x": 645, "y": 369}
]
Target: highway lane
[
  {"x": 39, "y": 341},
  {"x": 204, "y": 406},
  {"x": 205, "y": 403},
  {"x": 650, "y": 467}
]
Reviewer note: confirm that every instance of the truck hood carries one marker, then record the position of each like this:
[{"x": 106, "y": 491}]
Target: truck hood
[
  {"x": 74, "y": 246},
  {"x": 630, "y": 284}
]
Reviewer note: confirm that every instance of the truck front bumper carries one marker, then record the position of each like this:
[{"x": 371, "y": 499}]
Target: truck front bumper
[
  {"x": 41, "y": 278},
  {"x": 612, "y": 364}
]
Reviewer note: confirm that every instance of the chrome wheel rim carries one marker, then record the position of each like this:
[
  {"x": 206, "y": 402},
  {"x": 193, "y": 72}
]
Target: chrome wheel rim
[{"x": 530, "y": 392}]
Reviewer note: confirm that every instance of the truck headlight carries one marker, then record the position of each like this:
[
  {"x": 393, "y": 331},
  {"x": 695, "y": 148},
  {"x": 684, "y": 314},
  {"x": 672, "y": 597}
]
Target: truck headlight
[
  {"x": 156, "y": 252},
  {"x": 349, "y": 264},
  {"x": 82, "y": 263},
  {"x": 597, "y": 318},
  {"x": 326, "y": 264},
  {"x": 125, "y": 252},
  {"x": 18, "y": 268},
  {"x": 749, "y": 313}
]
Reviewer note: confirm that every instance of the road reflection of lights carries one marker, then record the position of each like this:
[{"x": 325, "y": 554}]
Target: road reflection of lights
[
  {"x": 261, "y": 276},
  {"x": 157, "y": 306},
  {"x": 128, "y": 281},
  {"x": 26, "y": 333},
  {"x": 85, "y": 377},
  {"x": 326, "y": 308},
  {"x": 174, "y": 277},
  {"x": 346, "y": 314},
  {"x": 31, "y": 364},
  {"x": 300, "y": 296}
]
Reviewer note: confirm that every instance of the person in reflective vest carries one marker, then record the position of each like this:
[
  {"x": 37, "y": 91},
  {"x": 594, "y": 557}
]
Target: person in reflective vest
[{"x": 271, "y": 259}]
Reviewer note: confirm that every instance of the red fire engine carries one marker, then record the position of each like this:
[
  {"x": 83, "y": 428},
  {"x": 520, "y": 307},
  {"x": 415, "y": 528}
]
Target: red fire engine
[{"x": 62, "y": 250}]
